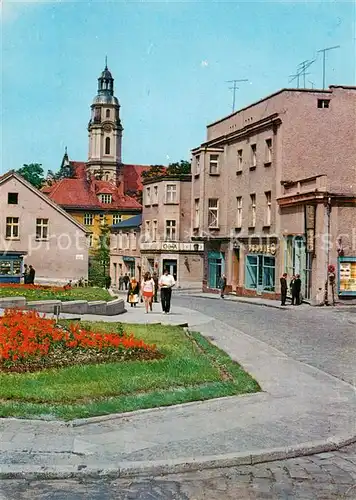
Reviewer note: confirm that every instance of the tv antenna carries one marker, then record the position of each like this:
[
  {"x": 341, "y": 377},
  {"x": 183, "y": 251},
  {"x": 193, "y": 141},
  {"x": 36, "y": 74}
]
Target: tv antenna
[
  {"x": 234, "y": 88},
  {"x": 324, "y": 51}
]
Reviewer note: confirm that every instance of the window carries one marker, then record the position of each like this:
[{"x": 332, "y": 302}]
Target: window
[
  {"x": 107, "y": 146},
  {"x": 41, "y": 229},
  {"x": 155, "y": 195},
  {"x": 260, "y": 273},
  {"x": 88, "y": 219},
  {"x": 116, "y": 218},
  {"x": 268, "y": 151},
  {"x": 106, "y": 198},
  {"x": 213, "y": 213},
  {"x": 133, "y": 241},
  {"x": 171, "y": 193},
  {"x": 147, "y": 230},
  {"x": 253, "y": 156},
  {"x": 12, "y": 228},
  {"x": 253, "y": 210},
  {"x": 239, "y": 211},
  {"x": 154, "y": 230},
  {"x": 12, "y": 198},
  {"x": 197, "y": 164},
  {"x": 323, "y": 103},
  {"x": 196, "y": 212},
  {"x": 108, "y": 113},
  {"x": 148, "y": 196},
  {"x": 214, "y": 164},
  {"x": 239, "y": 160},
  {"x": 170, "y": 230},
  {"x": 268, "y": 208}
]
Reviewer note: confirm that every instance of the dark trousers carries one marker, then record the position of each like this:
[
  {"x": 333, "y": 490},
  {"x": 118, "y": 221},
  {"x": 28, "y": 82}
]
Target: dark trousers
[
  {"x": 296, "y": 298},
  {"x": 283, "y": 297},
  {"x": 166, "y": 294}
]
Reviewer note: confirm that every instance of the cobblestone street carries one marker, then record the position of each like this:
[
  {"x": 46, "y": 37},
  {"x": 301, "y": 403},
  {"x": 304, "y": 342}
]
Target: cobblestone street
[{"x": 326, "y": 476}]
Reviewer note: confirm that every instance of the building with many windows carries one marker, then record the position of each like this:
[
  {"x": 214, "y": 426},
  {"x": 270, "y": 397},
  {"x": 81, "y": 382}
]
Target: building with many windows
[
  {"x": 34, "y": 230},
  {"x": 103, "y": 187},
  {"x": 274, "y": 190},
  {"x": 166, "y": 231},
  {"x": 125, "y": 257}
]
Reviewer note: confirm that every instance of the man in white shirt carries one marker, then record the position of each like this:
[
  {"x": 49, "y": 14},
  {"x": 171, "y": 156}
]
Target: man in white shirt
[{"x": 166, "y": 283}]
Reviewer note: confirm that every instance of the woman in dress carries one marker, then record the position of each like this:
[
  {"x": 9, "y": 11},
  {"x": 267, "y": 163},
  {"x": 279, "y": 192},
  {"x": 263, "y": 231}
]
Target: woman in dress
[
  {"x": 133, "y": 292},
  {"x": 148, "y": 290}
]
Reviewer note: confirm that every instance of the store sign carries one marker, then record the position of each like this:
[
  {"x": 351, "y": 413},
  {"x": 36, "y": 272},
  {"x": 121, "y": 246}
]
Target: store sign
[
  {"x": 270, "y": 249},
  {"x": 170, "y": 246},
  {"x": 348, "y": 277},
  {"x": 310, "y": 227}
]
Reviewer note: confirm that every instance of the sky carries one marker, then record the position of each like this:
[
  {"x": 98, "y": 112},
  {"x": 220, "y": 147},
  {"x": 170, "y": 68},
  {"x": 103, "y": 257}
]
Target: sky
[{"x": 171, "y": 62}]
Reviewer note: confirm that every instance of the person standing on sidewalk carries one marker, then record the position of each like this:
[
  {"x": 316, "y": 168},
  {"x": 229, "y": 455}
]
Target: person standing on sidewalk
[
  {"x": 222, "y": 285},
  {"x": 147, "y": 290},
  {"x": 284, "y": 288},
  {"x": 166, "y": 283},
  {"x": 297, "y": 289},
  {"x": 155, "y": 279}
]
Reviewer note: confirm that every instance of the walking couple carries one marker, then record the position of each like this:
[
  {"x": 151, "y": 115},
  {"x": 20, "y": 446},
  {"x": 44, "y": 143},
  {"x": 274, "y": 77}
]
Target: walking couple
[
  {"x": 295, "y": 288},
  {"x": 150, "y": 287}
]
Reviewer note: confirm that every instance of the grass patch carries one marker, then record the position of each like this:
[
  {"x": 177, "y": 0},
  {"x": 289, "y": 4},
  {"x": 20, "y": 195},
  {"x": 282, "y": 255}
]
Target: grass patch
[
  {"x": 55, "y": 293},
  {"x": 192, "y": 369}
]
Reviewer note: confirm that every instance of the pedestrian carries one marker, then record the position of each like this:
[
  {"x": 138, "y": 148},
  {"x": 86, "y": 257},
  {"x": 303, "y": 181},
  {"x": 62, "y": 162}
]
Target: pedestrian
[
  {"x": 31, "y": 275},
  {"x": 166, "y": 283},
  {"x": 126, "y": 281},
  {"x": 291, "y": 287},
  {"x": 25, "y": 274},
  {"x": 155, "y": 279},
  {"x": 121, "y": 282},
  {"x": 147, "y": 291},
  {"x": 133, "y": 292},
  {"x": 297, "y": 289},
  {"x": 284, "y": 288},
  {"x": 222, "y": 285}
]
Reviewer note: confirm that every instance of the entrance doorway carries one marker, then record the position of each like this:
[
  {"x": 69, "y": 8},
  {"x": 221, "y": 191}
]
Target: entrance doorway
[
  {"x": 171, "y": 265},
  {"x": 216, "y": 264}
]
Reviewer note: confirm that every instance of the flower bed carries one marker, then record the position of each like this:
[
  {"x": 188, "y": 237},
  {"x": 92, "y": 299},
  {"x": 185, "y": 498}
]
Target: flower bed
[{"x": 30, "y": 342}]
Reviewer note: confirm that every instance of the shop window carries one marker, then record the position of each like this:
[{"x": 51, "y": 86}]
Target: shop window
[{"x": 260, "y": 273}]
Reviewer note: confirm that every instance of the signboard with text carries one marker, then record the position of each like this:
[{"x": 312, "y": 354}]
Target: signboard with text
[{"x": 347, "y": 276}]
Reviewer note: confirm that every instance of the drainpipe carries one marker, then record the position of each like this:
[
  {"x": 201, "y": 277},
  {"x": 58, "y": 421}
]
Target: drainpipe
[{"x": 328, "y": 213}]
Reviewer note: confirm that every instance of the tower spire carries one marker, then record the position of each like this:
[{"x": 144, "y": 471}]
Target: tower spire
[{"x": 106, "y": 62}]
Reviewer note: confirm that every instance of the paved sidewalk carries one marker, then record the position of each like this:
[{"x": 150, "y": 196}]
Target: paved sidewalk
[{"x": 301, "y": 410}]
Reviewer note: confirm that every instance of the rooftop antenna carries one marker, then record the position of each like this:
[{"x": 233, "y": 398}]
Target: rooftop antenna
[
  {"x": 293, "y": 77},
  {"x": 324, "y": 51},
  {"x": 303, "y": 66},
  {"x": 234, "y": 88}
]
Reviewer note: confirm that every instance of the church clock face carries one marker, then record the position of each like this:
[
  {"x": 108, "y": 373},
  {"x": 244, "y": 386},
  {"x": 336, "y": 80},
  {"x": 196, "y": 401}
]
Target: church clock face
[{"x": 107, "y": 128}]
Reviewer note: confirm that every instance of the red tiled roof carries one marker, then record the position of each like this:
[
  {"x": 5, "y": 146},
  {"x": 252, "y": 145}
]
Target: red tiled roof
[{"x": 132, "y": 176}]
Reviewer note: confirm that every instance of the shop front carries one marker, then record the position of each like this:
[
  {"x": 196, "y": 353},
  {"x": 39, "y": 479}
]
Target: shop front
[
  {"x": 130, "y": 269},
  {"x": 216, "y": 268},
  {"x": 260, "y": 269},
  {"x": 11, "y": 267}
]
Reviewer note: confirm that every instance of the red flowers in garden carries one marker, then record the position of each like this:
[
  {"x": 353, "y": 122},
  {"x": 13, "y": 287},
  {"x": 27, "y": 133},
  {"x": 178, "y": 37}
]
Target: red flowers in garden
[
  {"x": 32, "y": 287},
  {"x": 28, "y": 337}
]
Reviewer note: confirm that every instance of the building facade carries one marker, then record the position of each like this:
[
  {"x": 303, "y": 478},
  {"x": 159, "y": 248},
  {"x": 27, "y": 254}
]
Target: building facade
[
  {"x": 274, "y": 190},
  {"x": 34, "y": 230},
  {"x": 166, "y": 231},
  {"x": 125, "y": 257}
]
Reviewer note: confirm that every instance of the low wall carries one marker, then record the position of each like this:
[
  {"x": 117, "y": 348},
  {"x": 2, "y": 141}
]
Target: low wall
[{"x": 99, "y": 307}]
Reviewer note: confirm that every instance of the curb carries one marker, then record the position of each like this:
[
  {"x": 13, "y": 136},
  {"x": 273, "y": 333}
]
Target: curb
[
  {"x": 233, "y": 299},
  {"x": 165, "y": 467}
]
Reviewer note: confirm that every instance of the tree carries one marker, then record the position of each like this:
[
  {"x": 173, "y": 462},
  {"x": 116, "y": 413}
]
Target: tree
[
  {"x": 65, "y": 172},
  {"x": 33, "y": 173},
  {"x": 100, "y": 263},
  {"x": 154, "y": 172},
  {"x": 179, "y": 168}
]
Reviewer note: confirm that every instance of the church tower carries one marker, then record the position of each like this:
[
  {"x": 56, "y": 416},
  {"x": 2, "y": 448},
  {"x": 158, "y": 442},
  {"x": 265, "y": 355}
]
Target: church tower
[{"x": 105, "y": 131}]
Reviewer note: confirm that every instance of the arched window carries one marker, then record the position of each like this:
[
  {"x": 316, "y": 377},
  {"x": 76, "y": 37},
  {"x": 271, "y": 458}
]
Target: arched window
[
  {"x": 108, "y": 113},
  {"x": 107, "y": 146}
]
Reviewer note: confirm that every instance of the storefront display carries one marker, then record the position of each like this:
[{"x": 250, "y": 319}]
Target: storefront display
[
  {"x": 260, "y": 273},
  {"x": 10, "y": 267},
  {"x": 347, "y": 276}
]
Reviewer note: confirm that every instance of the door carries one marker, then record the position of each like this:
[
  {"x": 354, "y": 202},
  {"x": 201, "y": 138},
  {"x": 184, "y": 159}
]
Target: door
[
  {"x": 171, "y": 265},
  {"x": 216, "y": 269}
]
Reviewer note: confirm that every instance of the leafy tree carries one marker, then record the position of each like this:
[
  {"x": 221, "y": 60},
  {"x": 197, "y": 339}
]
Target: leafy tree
[
  {"x": 179, "y": 168},
  {"x": 154, "y": 172},
  {"x": 99, "y": 268},
  {"x": 65, "y": 172},
  {"x": 33, "y": 173}
]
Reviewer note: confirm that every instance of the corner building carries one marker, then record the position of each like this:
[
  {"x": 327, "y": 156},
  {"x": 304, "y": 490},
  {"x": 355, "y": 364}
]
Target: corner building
[{"x": 274, "y": 190}]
